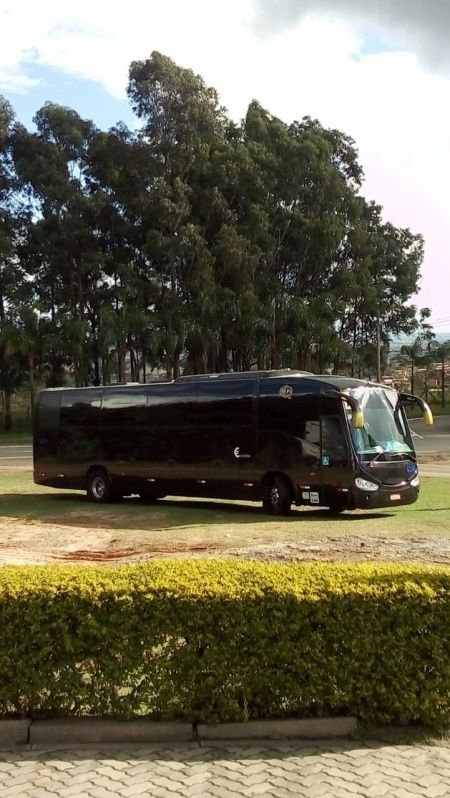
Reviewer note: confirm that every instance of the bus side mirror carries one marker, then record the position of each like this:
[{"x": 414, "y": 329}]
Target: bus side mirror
[
  {"x": 357, "y": 418},
  {"x": 427, "y": 415}
]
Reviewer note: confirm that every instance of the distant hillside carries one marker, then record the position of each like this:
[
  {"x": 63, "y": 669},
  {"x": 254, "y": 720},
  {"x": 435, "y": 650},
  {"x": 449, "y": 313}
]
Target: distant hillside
[{"x": 405, "y": 340}]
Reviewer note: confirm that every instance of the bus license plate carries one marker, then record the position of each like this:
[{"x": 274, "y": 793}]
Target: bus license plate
[{"x": 395, "y": 497}]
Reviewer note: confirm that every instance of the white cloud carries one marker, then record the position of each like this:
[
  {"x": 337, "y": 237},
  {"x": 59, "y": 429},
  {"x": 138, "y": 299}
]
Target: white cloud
[
  {"x": 390, "y": 102},
  {"x": 421, "y": 25}
]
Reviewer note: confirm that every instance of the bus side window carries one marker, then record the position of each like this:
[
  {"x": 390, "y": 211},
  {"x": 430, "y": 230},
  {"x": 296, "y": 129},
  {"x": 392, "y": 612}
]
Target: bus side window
[
  {"x": 81, "y": 408},
  {"x": 48, "y": 410},
  {"x": 124, "y": 407}
]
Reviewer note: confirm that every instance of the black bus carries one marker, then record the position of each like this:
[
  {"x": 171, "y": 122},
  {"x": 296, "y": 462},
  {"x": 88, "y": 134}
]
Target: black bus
[{"x": 280, "y": 437}]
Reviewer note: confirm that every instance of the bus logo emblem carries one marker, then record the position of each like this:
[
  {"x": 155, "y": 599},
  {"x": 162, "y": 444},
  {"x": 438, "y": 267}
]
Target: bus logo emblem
[{"x": 286, "y": 391}]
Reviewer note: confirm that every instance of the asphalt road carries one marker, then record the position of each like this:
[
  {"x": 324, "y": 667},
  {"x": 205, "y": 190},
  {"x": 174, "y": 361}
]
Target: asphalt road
[
  {"x": 16, "y": 456},
  {"x": 431, "y": 439}
]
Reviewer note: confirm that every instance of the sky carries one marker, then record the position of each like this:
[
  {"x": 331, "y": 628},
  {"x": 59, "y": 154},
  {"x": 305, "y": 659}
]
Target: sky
[{"x": 379, "y": 70}]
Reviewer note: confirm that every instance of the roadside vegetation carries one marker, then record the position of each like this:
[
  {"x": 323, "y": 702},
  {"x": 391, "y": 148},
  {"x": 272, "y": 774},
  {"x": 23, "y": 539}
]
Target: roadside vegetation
[
  {"x": 226, "y": 641},
  {"x": 437, "y": 409}
]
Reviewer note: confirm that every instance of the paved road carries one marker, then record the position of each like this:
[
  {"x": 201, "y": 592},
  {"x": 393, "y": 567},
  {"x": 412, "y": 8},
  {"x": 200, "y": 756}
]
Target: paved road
[
  {"x": 431, "y": 439},
  {"x": 16, "y": 456},
  {"x": 337, "y": 770}
]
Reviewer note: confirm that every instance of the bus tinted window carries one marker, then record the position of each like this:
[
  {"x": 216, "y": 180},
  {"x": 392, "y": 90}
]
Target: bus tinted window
[
  {"x": 124, "y": 406},
  {"x": 173, "y": 406},
  {"x": 80, "y": 407},
  {"x": 225, "y": 404},
  {"x": 48, "y": 413},
  {"x": 298, "y": 416}
]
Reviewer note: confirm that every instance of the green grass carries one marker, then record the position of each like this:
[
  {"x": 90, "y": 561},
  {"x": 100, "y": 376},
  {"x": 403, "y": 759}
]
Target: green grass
[
  {"x": 16, "y": 438},
  {"x": 218, "y": 524}
]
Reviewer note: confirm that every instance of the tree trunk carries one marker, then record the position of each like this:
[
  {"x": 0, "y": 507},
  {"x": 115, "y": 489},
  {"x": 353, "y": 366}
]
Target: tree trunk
[
  {"x": 205, "y": 361},
  {"x": 31, "y": 378},
  {"x": 105, "y": 372},
  {"x": 7, "y": 413},
  {"x": 169, "y": 371},
  {"x": 96, "y": 371},
  {"x": 121, "y": 363},
  {"x": 443, "y": 382},
  {"x": 412, "y": 377},
  {"x": 176, "y": 366},
  {"x": 132, "y": 364}
]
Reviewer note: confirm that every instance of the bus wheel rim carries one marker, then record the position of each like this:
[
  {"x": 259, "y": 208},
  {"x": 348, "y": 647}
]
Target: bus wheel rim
[
  {"x": 98, "y": 487},
  {"x": 274, "y": 496}
]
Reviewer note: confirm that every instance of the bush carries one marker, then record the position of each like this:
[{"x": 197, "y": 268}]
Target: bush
[{"x": 226, "y": 641}]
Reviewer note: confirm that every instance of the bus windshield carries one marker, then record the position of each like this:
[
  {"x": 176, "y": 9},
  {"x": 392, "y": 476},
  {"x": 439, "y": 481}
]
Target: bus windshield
[{"x": 385, "y": 427}]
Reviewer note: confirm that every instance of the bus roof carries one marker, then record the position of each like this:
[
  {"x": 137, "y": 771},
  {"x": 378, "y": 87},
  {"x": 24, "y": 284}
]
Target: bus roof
[{"x": 329, "y": 380}]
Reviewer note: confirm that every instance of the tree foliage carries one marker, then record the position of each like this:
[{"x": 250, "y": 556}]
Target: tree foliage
[{"x": 191, "y": 242}]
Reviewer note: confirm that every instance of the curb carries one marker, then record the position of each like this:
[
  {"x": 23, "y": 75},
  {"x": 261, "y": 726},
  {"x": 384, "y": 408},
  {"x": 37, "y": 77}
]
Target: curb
[
  {"x": 310, "y": 728},
  {"x": 73, "y": 732},
  {"x": 14, "y": 732}
]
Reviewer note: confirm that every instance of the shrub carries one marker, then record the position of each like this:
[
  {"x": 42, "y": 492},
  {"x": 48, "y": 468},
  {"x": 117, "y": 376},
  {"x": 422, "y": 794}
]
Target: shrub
[{"x": 225, "y": 641}]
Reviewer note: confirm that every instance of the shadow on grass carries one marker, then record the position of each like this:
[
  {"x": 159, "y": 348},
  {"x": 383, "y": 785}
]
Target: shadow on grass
[{"x": 73, "y": 509}]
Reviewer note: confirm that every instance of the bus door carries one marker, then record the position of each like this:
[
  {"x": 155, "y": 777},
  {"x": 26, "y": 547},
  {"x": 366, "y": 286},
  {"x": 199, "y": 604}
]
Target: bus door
[
  {"x": 335, "y": 456},
  {"x": 226, "y": 435}
]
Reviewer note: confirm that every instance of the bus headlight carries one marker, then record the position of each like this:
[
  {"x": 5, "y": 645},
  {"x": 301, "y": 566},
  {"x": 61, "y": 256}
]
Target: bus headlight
[
  {"x": 415, "y": 482},
  {"x": 366, "y": 484}
]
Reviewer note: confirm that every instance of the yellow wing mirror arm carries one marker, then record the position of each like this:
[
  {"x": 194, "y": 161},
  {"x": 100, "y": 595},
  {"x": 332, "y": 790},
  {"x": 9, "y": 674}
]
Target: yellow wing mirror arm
[
  {"x": 409, "y": 398},
  {"x": 357, "y": 411}
]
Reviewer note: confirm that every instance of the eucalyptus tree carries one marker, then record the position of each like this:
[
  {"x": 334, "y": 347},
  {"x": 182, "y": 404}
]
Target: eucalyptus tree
[
  {"x": 376, "y": 274},
  {"x": 181, "y": 121},
  {"x": 297, "y": 211},
  {"x": 11, "y": 274},
  {"x": 196, "y": 240},
  {"x": 61, "y": 250}
]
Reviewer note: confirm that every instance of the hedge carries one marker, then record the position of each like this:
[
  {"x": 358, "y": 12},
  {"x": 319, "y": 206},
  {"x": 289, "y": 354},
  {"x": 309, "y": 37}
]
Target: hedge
[{"x": 218, "y": 640}]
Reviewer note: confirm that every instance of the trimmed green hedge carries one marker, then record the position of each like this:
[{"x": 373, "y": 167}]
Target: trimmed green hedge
[{"x": 212, "y": 640}]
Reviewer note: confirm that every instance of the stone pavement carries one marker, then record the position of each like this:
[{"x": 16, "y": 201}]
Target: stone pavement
[{"x": 305, "y": 770}]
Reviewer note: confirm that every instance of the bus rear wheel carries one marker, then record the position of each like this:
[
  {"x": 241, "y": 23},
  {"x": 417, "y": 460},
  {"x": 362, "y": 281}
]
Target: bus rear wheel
[
  {"x": 277, "y": 498},
  {"x": 98, "y": 486}
]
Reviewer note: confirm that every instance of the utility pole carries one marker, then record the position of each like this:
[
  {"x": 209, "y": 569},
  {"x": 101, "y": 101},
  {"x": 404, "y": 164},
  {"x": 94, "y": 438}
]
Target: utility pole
[{"x": 378, "y": 345}]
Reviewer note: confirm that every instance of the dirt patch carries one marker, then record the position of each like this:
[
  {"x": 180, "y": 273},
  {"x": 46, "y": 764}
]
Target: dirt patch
[
  {"x": 130, "y": 554},
  {"x": 43, "y": 543},
  {"x": 351, "y": 549},
  {"x": 434, "y": 457}
]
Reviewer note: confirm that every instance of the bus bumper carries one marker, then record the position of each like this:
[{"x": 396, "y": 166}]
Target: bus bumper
[{"x": 385, "y": 496}]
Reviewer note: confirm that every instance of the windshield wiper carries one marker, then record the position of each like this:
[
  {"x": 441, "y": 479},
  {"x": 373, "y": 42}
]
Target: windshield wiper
[{"x": 377, "y": 456}]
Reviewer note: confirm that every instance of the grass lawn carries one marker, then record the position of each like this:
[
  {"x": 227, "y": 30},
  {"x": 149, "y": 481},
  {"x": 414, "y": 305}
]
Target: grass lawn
[
  {"x": 16, "y": 438},
  {"x": 214, "y": 522}
]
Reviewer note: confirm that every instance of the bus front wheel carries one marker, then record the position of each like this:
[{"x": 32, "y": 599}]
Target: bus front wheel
[
  {"x": 277, "y": 498},
  {"x": 98, "y": 486}
]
